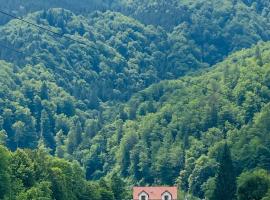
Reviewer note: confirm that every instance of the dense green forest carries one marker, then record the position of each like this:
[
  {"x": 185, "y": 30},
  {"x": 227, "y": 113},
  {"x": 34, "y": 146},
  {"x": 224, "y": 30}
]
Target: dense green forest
[
  {"x": 33, "y": 175},
  {"x": 212, "y": 28},
  {"x": 23, "y": 7},
  {"x": 135, "y": 92},
  {"x": 180, "y": 126}
]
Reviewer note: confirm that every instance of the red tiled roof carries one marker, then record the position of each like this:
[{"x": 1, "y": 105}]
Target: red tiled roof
[{"x": 154, "y": 193}]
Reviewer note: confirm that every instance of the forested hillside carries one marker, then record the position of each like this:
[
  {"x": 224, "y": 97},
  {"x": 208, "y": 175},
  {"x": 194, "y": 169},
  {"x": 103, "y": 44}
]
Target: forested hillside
[
  {"x": 172, "y": 12},
  {"x": 113, "y": 53},
  {"x": 121, "y": 93},
  {"x": 180, "y": 126},
  {"x": 212, "y": 28},
  {"x": 29, "y": 175},
  {"x": 22, "y": 7}
]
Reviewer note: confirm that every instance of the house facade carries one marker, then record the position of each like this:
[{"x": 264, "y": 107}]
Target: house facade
[{"x": 155, "y": 193}]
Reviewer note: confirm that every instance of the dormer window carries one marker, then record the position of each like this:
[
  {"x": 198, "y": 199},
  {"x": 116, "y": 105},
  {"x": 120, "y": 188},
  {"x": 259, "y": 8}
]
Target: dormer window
[
  {"x": 143, "y": 196},
  {"x": 166, "y": 196}
]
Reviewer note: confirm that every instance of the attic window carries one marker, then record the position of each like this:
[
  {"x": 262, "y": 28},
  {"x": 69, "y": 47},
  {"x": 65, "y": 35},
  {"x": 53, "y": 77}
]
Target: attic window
[
  {"x": 143, "y": 196},
  {"x": 166, "y": 196}
]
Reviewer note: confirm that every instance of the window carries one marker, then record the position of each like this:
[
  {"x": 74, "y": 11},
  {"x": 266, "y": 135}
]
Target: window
[
  {"x": 166, "y": 196},
  {"x": 143, "y": 196}
]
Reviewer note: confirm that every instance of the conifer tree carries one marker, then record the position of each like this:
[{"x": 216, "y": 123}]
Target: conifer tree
[
  {"x": 44, "y": 93},
  {"x": 59, "y": 139},
  {"x": 258, "y": 56},
  {"x": 225, "y": 180},
  {"x": 74, "y": 137},
  {"x": 45, "y": 129}
]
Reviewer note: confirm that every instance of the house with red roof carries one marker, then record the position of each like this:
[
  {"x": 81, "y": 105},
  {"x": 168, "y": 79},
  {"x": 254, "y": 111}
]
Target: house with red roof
[{"x": 155, "y": 193}]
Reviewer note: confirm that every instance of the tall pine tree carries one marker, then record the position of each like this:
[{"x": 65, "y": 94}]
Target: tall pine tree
[
  {"x": 258, "y": 56},
  {"x": 44, "y": 93},
  {"x": 45, "y": 129},
  {"x": 226, "y": 179},
  {"x": 74, "y": 137}
]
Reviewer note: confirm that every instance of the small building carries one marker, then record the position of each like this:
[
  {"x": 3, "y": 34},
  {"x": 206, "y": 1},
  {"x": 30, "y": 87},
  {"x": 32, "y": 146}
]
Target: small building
[{"x": 155, "y": 193}]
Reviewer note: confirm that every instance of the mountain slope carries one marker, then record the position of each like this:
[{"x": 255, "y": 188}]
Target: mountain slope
[
  {"x": 34, "y": 107},
  {"x": 111, "y": 64},
  {"x": 173, "y": 131},
  {"x": 218, "y": 28},
  {"x": 169, "y": 14},
  {"x": 64, "y": 91},
  {"x": 21, "y": 8},
  {"x": 204, "y": 31},
  {"x": 87, "y": 101},
  {"x": 213, "y": 29}
]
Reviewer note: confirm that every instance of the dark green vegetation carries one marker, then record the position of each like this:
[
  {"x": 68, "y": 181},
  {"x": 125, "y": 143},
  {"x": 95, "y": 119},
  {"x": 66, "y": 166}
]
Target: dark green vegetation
[
  {"x": 22, "y": 7},
  {"x": 107, "y": 103},
  {"x": 204, "y": 31},
  {"x": 177, "y": 128},
  {"x": 225, "y": 180},
  {"x": 35, "y": 175},
  {"x": 115, "y": 56}
]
